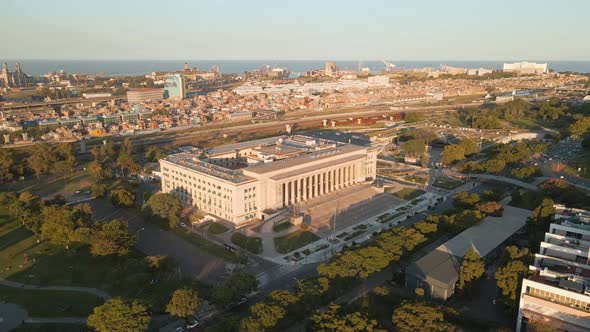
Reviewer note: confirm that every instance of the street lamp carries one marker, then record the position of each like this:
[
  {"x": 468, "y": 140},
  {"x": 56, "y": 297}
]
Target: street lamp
[{"x": 137, "y": 233}]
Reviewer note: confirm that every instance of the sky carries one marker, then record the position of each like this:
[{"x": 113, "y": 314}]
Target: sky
[{"x": 295, "y": 29}]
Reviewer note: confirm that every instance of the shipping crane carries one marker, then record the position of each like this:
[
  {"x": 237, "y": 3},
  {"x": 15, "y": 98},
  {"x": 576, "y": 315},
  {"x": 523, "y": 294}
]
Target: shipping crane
[{"x": 388, "y": 66}]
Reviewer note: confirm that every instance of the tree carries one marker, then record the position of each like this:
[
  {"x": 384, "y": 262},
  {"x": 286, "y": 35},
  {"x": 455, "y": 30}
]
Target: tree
[
  {"x": 466, "y": 200},
  {"x": 452, "y": 153},
  {"x": 543, "y": 213},
  {"x": 494, "y": 165},
  {"x": 6, "y": 165},
  {"x": 184, "y": 303},
  {"x": 282, "y": 297},
  {"x": 493, "y": 209},
  {"x": 118, "y": 315},
  {"x": 58, "y": 226},
  {"x": 411, "y": 317},
  {"x": 99, "y": 190},
  {"x": 99, "y": 171},
  {"x": 513, "y": 253},
  {"x": 333, "y": 320},
  {"x": 579, "y": 127},
  {"x": 267, "y": 315},
  {"x": 426, "y": 227},
  {"x": 472, "y": 268},
  {"x": 112, "y": 238},
  {"x": 469, "y": 146},
  {"x": 413, "y": 147},
  {"x": 154, "y": 153},
  {"x": 508, "y": 278},
  {"x": 41, "y": 158},
  {"x": 358, "y": 263},
  {"x": 122, "y": 197},
  {"x": 164, "y": 206},
  {"x": 233, "y": 288}
]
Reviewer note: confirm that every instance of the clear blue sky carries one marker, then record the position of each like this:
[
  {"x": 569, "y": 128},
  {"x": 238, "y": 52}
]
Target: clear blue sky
[{"x": 295, "y": 29}]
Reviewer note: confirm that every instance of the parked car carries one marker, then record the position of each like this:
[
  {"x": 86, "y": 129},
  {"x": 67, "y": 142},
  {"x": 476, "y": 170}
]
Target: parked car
[
  {"x": 236, "y": 304},
  {"x": 192, "y": 323}
]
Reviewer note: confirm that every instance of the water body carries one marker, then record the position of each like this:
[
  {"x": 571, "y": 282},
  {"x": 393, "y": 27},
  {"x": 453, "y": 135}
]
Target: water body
[{"x": 142, "y": 67}]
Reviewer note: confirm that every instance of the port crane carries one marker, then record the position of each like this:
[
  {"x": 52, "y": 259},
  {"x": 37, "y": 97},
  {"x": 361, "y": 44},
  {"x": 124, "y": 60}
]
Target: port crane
[{"x": 388, "y": 66}]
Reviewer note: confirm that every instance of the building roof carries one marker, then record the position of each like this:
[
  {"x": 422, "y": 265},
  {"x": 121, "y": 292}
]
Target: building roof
[
  {"x": 489, "y": 233},
  {"x": 442, "y": 264},
  {"x": 438, "y": 266}
]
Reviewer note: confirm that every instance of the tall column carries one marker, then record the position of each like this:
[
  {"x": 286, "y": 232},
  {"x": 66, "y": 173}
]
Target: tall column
[
  {"x": 299, "y": 190},
  {"x": 316, "y": 187},
  {"x": 346, "y": 181},
  {"x": 292, "y": 195},
  {"x": 304, "y": 193},
  {"x": 322, "y": 183},
  {"x": 340, "y": 177}
]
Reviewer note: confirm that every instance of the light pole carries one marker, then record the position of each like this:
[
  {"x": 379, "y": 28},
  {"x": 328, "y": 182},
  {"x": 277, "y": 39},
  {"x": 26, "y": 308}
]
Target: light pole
[{"x": 137, "y": 233}]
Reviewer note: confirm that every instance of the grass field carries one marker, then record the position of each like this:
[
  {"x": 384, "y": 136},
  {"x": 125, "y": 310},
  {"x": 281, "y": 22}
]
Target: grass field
[
  {"x": 447, "y": 183},
  {"x": 281, "y": 226},
  {"x": 250, "y": 243},
  {"x": 44, "y": 303},
  {"x": 49, "y": 265},
  {"x": 217, "y": 228},
  {"x": 294, "y": 241},
  {"x": 52, "y": 184},
  {"x": 206, "y": 245},
  {"x": 52, "y": 327},
  {"x": 408, "y": 193}
]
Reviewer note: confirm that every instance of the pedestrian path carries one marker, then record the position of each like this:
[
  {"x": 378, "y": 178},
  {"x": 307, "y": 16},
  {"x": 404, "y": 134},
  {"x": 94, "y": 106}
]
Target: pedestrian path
[{"x": 94, "y": 291}]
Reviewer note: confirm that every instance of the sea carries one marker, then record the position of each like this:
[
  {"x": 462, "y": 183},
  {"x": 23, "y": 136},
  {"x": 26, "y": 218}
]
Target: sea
[{"x": 297, "y": 67}]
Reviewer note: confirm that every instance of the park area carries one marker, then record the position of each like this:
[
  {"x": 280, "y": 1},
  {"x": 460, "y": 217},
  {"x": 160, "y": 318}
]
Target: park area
[{"x": 24, "y": 260}]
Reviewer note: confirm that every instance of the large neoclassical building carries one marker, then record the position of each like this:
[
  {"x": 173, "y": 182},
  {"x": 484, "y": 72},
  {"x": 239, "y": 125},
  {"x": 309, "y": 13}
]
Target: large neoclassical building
[{"x": 240, "y": 182}]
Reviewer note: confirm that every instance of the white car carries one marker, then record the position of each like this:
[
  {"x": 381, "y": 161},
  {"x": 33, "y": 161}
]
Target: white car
[
  {"x": 192, "y": 323},
  {"x": 179, "y": 329}
]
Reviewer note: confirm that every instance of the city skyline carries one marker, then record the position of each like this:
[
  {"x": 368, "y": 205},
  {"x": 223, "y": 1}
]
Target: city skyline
[{"x": 260, "y": 30}]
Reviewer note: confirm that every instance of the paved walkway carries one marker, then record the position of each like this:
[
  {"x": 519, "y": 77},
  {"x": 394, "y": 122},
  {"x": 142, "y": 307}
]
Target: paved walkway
[
  {"x": 11, "y": 316},
  {"x": 94, "y": 291}
]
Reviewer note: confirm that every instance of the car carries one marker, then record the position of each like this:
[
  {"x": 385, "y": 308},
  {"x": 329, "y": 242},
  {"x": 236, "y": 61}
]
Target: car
[
  {"x": 192, "y": 323},
  {"x": 78, "y": 191},
  {"x": 179, "y": 329},
  {"x": 182, "y": 224},
  {"x": 236, "y": 304}
]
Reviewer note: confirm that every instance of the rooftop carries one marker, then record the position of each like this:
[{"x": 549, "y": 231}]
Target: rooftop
[
  {"x": 489, "y": 233},
  {"x": 190, "y": 161}
]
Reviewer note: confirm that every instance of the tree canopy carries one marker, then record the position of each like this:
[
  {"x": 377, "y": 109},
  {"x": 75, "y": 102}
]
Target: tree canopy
[
  {"x": 118, "y": 315},
  {"x": 472, "y": 268},
  {"x": 333, "y": 320},
  {"x": 184, "y": 303},
  {"x": 112, "y": 238},
  {"x": 164, "y": 207},
  {"x": 411, "y": 317}
]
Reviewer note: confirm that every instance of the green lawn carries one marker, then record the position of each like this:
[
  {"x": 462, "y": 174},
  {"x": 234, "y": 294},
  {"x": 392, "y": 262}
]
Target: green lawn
[
  {"x": 294, "y": 241},
  {"x": 281, "y": 226},
  {"x": 217, "y": 228},
  {"x": 408, "y": 193},
  {"x": 52, "y": 184},
  {"x": 44, "y": 303},
  {"x": 447, "y": 183},
  {"x": 52, "y": 327},
  {"x": 49, "y": 265},
  {"x": 207, "y": 245},
  {"x": 250, "y": 243}
]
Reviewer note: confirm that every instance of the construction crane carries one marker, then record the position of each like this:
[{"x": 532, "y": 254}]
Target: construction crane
[{"x": 388, "y": 66}]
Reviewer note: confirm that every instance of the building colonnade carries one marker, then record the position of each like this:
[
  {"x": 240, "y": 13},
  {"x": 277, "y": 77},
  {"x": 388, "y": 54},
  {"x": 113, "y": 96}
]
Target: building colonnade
[{"x": 310, "y": 186}]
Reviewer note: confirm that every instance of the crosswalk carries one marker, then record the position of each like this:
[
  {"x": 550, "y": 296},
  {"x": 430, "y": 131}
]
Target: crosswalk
[{"x": 277, "y": 272}]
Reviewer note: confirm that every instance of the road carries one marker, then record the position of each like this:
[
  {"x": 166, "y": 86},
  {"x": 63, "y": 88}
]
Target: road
[{"x": 152, "y": 240}]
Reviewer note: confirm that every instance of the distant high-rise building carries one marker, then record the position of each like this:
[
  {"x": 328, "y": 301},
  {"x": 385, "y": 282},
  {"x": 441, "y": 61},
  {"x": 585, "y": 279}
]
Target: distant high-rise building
[
  {"x": 525, "y": 68},
  {"x": 174, "y": 86},
  {"x": 330, "y": 68}
]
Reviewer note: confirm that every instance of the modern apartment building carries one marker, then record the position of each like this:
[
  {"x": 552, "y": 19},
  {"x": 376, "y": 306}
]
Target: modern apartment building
[
  {"x": 558, "y": 293},
  {"x": 239, "y": 182},
  {"x": 138, "y": 96}
]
